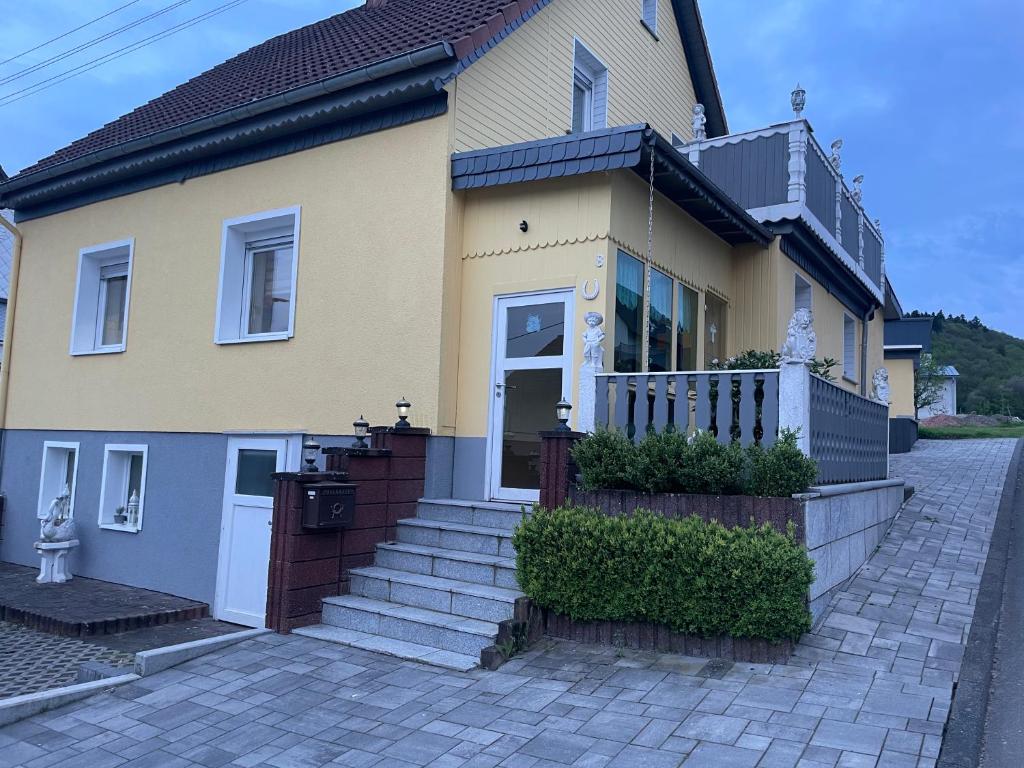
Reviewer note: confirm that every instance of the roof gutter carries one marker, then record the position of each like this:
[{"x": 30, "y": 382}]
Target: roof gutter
[{"x": 376, "y": 71}]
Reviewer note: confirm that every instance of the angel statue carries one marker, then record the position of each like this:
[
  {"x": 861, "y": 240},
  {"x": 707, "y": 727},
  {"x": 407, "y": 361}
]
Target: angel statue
[{"x": 56, "y": 524}]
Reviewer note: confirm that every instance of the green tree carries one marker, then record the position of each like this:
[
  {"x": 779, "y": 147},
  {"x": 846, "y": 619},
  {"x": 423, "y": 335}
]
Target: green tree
[{"x": 928, "y": 383}]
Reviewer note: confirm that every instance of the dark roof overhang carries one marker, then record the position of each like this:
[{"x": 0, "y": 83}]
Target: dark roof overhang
[
  {"x": 625, "y": 148},
  {"x": 807, "y": 251}
]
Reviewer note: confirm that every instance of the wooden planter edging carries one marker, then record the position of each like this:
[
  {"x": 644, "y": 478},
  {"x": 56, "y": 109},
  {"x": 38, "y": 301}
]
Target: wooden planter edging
[
  {"x": 648, "y": 636},
  {"x": 730, "y": 511}
]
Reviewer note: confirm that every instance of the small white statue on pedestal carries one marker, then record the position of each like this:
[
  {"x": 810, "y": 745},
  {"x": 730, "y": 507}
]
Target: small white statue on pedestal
[
  {"x": 593, "y": 364},
  {"x": 801, "y": 340},
  {"x": 56, "y": 540}
]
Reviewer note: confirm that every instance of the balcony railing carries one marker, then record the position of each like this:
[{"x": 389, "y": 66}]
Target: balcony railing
[
  {"x": 847, "y": 434},
  {"x": 782, "y": 172}
]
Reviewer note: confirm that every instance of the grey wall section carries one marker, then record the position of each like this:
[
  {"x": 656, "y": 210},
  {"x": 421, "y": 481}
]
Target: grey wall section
[
  {"x": 821, "y": 190},
  {"x": 440, "y": 467},
  {"x": 851, "y": 236},
  {"x": 176, "y": 551},
  {"x": 469, "y": 468},
  {"x": 872, "y": 256},
  {"x": 754, "y": 173}
]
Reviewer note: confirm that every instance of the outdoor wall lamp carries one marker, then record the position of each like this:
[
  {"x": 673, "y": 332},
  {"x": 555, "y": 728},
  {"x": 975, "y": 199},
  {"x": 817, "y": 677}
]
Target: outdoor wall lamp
[
  {"x": 403, "y": 407},
  {"x": 310, "y": 454},
  {"x": 361, "y": 427},
  {"x": 562, "y": 409}
]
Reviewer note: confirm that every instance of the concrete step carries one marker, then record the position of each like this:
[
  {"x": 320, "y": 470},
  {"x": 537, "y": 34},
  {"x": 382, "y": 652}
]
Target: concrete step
[
  {"x": 444, "y": 631},
  {"x": 464, "y": 538},
  {"x": 461, "y": 598},
  {"x": 403, "y": 650},
  {"x": 490, "y": 570},
  {"x": 488, "y": 514}
]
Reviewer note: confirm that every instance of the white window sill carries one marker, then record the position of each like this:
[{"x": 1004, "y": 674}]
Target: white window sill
[
  {"x": 101, "y": 351},
  {"x": 255, "y": 339},
  {"x": 118, "y": 527},
  {"x": 850, "y": 379},
  {"x": 654, "y": 32}
]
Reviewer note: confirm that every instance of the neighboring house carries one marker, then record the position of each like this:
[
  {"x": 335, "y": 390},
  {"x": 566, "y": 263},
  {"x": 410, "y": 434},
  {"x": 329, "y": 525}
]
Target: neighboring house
[
  {"x": 946, "y": 403},
  {"x": 394, "y": 203},
  {"x": 906, "y": 339}
]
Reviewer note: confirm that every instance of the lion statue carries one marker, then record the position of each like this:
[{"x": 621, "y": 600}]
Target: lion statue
[
  {"x": 880, "y": 386},
  {"x": 801, "y": 341}
]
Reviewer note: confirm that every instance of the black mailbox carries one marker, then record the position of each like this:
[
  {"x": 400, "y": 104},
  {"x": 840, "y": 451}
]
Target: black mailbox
[{"x": 328, "y": 505}]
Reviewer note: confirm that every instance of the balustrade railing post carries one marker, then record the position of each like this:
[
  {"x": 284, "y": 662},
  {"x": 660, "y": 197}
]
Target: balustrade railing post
[
  {"x": 797, "y": 185},
  {"x": 795, "y": 401},
  {"x": 586, "y": 418}
]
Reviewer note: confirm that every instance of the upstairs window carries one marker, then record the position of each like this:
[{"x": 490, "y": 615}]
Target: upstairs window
[
  {"x": 849, "y": 348},
  {"x": 259, "y": 263},
  {"x": 100, "y": 317},
  {"x": 589, "y": 91},
  {"x": 650, "y": 14},
  {"x": 802, "y": 294}
]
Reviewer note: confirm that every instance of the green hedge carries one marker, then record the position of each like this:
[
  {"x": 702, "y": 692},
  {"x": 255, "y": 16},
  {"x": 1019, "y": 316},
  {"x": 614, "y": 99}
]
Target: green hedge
[
  {"x": 694, "y": 577},
  {"x": 672, "y": 462}
]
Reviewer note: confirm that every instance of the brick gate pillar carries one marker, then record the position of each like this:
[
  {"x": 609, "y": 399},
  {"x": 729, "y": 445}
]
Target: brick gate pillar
[{"x": 557, "y": 468}]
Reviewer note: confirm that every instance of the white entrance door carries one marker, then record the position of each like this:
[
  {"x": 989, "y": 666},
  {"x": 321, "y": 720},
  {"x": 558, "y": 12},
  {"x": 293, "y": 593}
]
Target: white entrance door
[
  {"x": 531, "y": 372},
  {"x": 245, "y": 526}
]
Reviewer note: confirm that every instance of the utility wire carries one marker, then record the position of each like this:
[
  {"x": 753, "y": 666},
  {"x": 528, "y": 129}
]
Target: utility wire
[
  {"x": 90, "y": 43},
  {"x": 69, "y": 32},
  {"x": 50, "y": 82}
]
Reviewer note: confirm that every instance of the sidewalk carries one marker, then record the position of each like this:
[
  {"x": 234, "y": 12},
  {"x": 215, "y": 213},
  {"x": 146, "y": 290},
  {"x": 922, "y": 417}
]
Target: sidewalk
[{"x": 871, "y": 687}]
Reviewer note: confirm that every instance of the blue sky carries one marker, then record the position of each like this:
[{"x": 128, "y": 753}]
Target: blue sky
[{"x": 928, "y": 97}]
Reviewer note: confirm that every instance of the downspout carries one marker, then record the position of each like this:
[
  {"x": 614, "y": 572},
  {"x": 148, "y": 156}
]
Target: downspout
[
  {"x": 864, "y": 351},
  {"x": 5, "y": 364}
]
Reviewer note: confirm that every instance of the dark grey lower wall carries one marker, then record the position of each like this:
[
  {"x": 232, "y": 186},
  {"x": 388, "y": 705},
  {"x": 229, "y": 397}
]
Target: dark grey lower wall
[
  {"x": 469, "y": 468},
  {"x": 176, "y": 550},
  {"x": 902, "y": 434}
]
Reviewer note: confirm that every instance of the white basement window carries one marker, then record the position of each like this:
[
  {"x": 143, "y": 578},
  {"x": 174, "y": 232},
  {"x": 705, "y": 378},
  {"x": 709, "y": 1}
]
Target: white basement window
[
  {"x": 802, "y": 294},
  {"x": 123, "y": 491},
  {"x": 650, "y": 14},
  {"x": 258, "y": 269},
  {"x": 849, "y": 348},
  {"x": 589, "y": 91},
  {"x": 58, "y": 479},
  {"x": 102, "y": 290}
]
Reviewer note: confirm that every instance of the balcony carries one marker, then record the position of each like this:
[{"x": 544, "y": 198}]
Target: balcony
[{"x": 781, "y": 173}]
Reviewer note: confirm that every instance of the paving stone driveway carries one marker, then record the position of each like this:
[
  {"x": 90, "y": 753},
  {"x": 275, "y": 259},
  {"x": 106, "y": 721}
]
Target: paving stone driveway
[{"x": 871, "y": 687}]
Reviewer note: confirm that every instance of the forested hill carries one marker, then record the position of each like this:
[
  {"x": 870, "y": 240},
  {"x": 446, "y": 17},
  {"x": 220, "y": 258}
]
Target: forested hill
[{"x": 991, "y": 364}]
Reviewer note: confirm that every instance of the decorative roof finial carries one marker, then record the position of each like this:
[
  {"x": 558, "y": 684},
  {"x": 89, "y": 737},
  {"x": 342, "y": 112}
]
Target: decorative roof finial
[
  {"x": 857, "y": 193},
  {"x": 836, "y": 160},
  {"x": 699, "y": 121},
  {"x": 798, "y": 99}
]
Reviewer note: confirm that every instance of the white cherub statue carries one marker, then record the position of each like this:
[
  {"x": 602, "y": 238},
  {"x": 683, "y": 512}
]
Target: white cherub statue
[
  {"x": 593, "y": 352},
  {"x": 801, "y": 340},
  {"x": 699, "y": 122}
]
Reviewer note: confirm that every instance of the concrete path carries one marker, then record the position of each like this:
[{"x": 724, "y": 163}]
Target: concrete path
[{"x": 871, "y": 687}]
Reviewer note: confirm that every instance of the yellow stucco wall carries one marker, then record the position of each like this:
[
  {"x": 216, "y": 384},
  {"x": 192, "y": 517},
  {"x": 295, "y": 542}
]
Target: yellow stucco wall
[
  {"x": 901, "y": 387},
  {"x": 522, "y": 89},
  {"x": 369, "y": 308}
]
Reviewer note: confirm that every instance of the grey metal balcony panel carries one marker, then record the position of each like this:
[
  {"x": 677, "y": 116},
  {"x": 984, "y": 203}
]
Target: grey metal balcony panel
[
  {"x": 872, "y": 256},
  {"x": 821, "y": 190},
  {"x": 753, "y": 172},
  {"x": 850, "y": 234}
]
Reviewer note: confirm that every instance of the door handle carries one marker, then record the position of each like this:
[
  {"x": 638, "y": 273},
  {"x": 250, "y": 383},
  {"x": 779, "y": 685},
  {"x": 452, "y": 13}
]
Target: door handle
[{"x": 499, "y": 387}]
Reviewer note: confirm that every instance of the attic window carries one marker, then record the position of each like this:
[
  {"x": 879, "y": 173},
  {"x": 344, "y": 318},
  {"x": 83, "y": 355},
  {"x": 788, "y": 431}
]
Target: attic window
[
  {"x": 589, "y": 91},
  {"x": 650, "y": 15}
]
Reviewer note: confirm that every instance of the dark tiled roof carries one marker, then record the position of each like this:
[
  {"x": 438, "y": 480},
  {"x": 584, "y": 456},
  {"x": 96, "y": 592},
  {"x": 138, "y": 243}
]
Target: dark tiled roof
[{"x": 378, "y": 30}]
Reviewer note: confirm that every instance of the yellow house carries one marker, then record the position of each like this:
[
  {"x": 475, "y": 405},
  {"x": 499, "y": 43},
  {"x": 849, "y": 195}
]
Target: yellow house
[{"x": 315, "y": 228}]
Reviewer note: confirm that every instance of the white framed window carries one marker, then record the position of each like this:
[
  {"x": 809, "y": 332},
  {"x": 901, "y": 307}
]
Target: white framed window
[
  {"x": 102, "y": 290},
  {"x": 123, "y": 489},
  {"x": 849, "y": 348},
  {"x": 802, "y": 293},
  {"x": 258, "y": 270},
  {"x": 589, "y": 91},
  {"x": 58, "y": 477},
  {"x": 650, "y": 14}
]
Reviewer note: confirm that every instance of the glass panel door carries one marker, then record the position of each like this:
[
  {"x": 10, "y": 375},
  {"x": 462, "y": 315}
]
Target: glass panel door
[{"x": 532, "y": 372}]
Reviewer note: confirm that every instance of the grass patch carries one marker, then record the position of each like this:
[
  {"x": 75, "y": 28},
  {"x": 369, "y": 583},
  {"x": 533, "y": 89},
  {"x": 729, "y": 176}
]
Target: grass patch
[{"x": 971, "y": 433}]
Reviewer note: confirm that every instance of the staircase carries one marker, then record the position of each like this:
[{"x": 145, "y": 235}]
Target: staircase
[{"x": 437, "y": 593}]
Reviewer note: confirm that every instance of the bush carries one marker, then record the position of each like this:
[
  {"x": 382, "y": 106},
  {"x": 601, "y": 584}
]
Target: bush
[
  {"x": 781, "y": 470},
  {"x": 671, "y": 462},
  {"x": 694, "y": 577}
]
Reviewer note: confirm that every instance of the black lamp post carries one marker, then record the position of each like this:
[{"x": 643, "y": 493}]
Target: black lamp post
[
  {"x": 310, "y": 454},
  {"x": 361, "y": 427},
  {"x": 562, "y": 409},
  {"x": 403, "y": 407}
]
